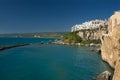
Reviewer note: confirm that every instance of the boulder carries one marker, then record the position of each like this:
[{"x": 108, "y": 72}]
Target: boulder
[{"x": 104, "y": 76}]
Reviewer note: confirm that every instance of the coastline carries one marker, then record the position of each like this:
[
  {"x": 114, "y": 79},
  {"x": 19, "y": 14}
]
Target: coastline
[
  {"x": 92, "y": 47},
  {"x": 108, "y": 75}
]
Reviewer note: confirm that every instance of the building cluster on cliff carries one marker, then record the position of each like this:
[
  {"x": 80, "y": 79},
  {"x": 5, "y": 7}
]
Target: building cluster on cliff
[
  {"x": 89, "y": 25},
  {"x": 109, "y": 34}
]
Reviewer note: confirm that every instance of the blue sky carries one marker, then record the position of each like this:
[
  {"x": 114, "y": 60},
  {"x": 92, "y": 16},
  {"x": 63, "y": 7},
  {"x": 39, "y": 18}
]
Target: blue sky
[{"x": 19, "y": 16}]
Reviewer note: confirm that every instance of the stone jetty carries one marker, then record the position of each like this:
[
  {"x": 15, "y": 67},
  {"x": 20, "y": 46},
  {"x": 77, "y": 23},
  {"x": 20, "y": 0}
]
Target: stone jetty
[{"x": 12, "y": 46}]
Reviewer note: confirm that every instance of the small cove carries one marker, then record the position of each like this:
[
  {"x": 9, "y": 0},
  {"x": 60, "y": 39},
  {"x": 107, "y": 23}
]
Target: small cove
[{"x": 50, "y": 62}]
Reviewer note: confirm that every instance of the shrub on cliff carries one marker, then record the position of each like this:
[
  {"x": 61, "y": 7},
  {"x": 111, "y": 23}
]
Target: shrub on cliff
[
  {"x": 91, "y": 41},
  {"x": 72, "y": 37}
]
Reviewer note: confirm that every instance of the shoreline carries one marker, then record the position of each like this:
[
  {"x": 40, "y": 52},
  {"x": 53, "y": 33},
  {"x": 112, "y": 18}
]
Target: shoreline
[
  {"x": 92, "y": 46},
  {"x": 96, "y": 48}
]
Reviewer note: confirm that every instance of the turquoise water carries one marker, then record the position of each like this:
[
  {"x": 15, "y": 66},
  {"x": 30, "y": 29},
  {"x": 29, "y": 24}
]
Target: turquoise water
[
  {"x": 50, "y": 62},
  {"x": 13, "y": 41}
]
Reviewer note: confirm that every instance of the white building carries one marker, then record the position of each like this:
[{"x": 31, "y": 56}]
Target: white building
[{"x": 89, "y": 25}]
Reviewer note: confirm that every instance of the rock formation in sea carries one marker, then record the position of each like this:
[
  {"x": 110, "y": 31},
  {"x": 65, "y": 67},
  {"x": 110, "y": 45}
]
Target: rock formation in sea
[
  {"x": 104, "y": 76},
  {"x": 110, "y": 49}
]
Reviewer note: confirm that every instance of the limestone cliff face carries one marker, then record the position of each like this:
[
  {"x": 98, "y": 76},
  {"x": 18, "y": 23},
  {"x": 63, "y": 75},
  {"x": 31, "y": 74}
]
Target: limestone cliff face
[
  {"x": 110, "y": 49},
  {"x": 92, "y": 34},
  {"x": 114, "y": 21}
]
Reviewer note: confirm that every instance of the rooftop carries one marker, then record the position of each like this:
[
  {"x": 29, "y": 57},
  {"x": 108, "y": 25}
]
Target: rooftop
[{"x": 117, "y": 12}]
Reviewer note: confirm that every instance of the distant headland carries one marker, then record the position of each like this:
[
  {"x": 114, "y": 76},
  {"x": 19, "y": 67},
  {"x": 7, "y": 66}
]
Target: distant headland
[{"x": 35, "y": 35}]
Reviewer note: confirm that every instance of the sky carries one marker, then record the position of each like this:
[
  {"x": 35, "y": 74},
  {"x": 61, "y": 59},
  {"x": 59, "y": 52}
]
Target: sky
[{"x": 26, "y": 16}]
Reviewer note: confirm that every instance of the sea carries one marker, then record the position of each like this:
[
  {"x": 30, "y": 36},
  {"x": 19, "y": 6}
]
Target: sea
[{"x": 48, "y": 61}]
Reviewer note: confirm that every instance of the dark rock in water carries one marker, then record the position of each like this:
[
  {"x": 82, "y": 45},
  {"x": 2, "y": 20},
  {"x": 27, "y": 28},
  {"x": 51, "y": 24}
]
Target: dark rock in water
[
  {"x": 95, "y": 47},
  {"x": 104, "y": 76},
  {"x": 99, "y": 50},
  {"x": 50, "y": 42},
  {"x": 41, "y": 42}
]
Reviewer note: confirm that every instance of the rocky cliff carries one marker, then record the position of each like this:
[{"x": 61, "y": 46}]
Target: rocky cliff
[
  {"x": 110, "y": 49},
  {"x": 92, "y": 34}
]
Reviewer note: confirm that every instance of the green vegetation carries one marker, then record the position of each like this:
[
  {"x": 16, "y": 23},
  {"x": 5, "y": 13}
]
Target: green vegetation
[
  {"x": 91, "y": 41},
  {"x": 72, "y": 37}
]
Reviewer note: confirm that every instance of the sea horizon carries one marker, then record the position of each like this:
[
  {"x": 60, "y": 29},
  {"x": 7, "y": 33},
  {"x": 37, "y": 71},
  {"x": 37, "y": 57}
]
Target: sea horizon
[{"x": 59, "y": 40}]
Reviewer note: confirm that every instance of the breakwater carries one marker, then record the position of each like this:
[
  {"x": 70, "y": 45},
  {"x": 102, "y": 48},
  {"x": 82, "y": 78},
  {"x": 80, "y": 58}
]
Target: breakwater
[{"x": 12, "y": 46}]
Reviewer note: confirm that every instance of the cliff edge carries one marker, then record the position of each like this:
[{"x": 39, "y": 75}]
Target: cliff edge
[{"x": 110, "y": 49}]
